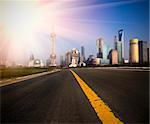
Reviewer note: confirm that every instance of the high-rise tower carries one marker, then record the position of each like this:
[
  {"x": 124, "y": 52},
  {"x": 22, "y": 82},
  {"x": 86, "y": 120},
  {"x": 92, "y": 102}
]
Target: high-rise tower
[
  {"x": 121, "y": 39},
  {"x": 53, "y": 50},
  {"x": 82, "y": 54},
  {"x": 134, "y": 51},
  {"x": 143, "y": 51},
  {"x": 119, "y": 45},
  {"x": 100, "y": 45},
  {"x": 113, "y": 56},
  {"x": 68, "y": 58}
]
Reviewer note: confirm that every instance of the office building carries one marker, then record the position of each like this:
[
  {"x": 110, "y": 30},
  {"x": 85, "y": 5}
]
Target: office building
[
  {"x": 82, "y": 57},
  {"x": 90, "y": 60},
  {"x": 103, "y": 51},
  {"x": 100, "y": 44},
  {"x": 143, "y": 51},
  {"x": 134, "y": 51},
  {"x": 68, "y": 58},
  {"x": 62, "y": 60},
  {"x": 106, "y": 50},
  {"x": 119, "y": 49},
  {"x": 113, "y": 57}
]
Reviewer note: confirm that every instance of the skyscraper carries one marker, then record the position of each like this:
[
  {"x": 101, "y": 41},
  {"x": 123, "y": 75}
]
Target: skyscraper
[
  {"x": 134, "y": 51},
  {"x": 119, "y": 45},
  {"x": 100, "y": 45},
  {"x": 82, "y": 58},
  {"x": 113, "y": 57},
  {"x": 106, "y": 50},
  {"x": 62, "y": 60},
  {"x": 31, "y": 61},
  {"x": 68, "y": 58},
  {"x": 143, "y": 51},
  {"x": 103, "y": 51}
]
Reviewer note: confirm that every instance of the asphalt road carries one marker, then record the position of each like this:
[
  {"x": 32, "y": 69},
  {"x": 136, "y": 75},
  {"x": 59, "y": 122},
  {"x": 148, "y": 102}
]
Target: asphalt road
[
  {"x": 126, "y": 92},
  {"x": 57, "y": 98}
]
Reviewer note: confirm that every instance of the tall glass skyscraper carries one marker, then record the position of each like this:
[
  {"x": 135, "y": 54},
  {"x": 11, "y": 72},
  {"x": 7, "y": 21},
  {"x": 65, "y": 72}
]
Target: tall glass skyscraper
[
  {"x": 119, "y": 45},
  {"x": 103, "y": 51}
]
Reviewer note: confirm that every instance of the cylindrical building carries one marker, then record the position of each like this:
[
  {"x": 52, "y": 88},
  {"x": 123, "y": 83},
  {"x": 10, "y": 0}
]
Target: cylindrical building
[{"x": 134, "y": 51}]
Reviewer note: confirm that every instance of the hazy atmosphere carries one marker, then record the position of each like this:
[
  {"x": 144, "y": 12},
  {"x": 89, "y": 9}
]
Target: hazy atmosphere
[{"x": 25, "y": 26}]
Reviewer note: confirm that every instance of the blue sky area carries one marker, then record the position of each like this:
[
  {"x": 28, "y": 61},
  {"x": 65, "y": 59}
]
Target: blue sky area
[{"x": 103, "y": 18}]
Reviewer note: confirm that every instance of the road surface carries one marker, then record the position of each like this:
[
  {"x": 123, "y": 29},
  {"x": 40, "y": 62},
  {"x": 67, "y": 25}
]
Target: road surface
[{"x": 58, "y": 98}]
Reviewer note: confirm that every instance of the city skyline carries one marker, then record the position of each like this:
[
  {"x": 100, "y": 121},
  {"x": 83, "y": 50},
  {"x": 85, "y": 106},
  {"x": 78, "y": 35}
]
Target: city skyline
[{"x": 26, "y": 26}]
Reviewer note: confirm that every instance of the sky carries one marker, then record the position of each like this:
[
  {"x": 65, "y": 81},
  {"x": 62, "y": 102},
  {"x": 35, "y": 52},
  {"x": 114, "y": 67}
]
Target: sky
[{"x": 25, "y": 26}]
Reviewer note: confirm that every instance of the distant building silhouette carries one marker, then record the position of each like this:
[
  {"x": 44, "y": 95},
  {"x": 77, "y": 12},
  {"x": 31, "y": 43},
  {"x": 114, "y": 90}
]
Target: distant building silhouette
[
  {"x": 68, "y": 58},
  {"x": 31, "y": 61},
  {"x": 47, "y": 62},
  {"x": 143, "y": 57},
  {"x": 100, "y": 45},
  {"x": 31, "y": 57},
  {"x": 90, "y": 60},
  {"x": 62, "y": 60},
  {"x": 82, "y": 57},
  {"x": 35, "y": 62}
]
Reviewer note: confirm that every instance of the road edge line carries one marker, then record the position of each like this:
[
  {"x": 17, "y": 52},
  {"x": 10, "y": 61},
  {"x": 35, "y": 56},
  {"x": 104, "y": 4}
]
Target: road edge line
[{"x": 27, "y": 77}]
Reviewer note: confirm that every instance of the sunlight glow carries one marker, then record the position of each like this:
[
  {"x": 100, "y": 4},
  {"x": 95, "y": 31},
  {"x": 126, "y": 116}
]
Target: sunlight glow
[{"x": 25, "y": 26}]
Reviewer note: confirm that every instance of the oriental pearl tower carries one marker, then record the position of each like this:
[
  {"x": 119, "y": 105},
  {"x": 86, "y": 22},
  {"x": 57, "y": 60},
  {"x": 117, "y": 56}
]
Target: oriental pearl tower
[{"x": 53, "y": 50}]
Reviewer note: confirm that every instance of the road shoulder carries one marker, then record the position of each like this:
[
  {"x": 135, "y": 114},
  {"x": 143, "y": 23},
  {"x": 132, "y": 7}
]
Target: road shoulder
[{"x": 23, "y": 78}]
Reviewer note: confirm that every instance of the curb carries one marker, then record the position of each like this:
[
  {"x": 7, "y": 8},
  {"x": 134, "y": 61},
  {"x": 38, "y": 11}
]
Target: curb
[
  {"x": 18, "y": 79},
  {"x": 124, "y": 68}
]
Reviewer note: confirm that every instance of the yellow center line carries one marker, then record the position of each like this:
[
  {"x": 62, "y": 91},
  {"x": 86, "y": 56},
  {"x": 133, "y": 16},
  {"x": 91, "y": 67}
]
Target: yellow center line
[{"x": 103, "y": 112}]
